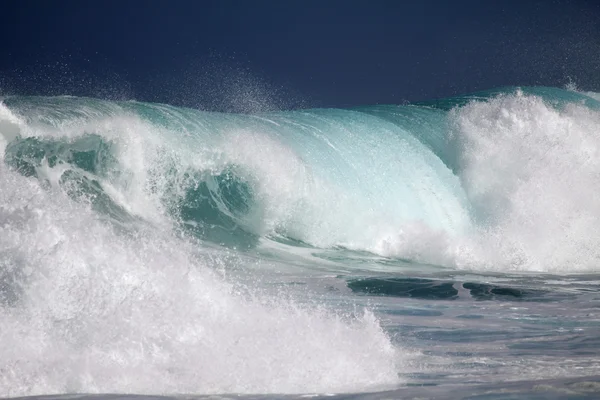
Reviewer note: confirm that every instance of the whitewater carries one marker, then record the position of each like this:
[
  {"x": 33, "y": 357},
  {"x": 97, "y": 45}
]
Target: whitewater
[{"x": 440, "y": 249}]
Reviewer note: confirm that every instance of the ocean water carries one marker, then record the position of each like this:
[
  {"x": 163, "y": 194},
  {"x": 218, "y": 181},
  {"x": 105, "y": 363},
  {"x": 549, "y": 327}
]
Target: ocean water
[{"x": 447, "y": 249}]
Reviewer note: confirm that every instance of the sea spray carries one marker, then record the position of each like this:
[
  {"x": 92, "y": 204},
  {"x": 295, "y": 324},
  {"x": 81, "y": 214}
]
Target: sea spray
[
  {"x": 531, "y": 172},
  {"x": 86, "y": 308}
]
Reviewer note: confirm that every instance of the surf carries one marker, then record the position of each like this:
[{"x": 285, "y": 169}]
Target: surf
[
  {"x": 146, "y": 248},
  {"x": 493, "y": 180}
]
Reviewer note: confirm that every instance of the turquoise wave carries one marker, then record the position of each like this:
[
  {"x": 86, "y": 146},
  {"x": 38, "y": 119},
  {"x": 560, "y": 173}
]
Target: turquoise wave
[{"x": 398, "y": 180}]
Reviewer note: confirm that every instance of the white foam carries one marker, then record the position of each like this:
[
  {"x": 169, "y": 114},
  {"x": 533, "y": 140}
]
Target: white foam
[
  {"x": 90, "y": 310},
  {"x": 532, "y": 173}
]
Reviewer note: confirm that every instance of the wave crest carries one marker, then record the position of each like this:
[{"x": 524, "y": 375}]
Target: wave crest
[{"x": 504, "y": 179}]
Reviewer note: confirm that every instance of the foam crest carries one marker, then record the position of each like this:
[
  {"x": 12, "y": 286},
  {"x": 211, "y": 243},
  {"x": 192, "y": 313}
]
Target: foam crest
[
  {"x": 532, "y": 173},
  {"x": 88, "y": 309}
]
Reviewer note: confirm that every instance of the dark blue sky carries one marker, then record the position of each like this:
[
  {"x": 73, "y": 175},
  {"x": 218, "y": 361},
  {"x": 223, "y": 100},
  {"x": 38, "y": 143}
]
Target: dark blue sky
[{"x": 224, "y": 54}]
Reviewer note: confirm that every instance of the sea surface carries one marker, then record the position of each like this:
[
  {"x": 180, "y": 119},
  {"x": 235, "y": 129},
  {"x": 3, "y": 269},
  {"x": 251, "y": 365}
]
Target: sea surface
[{"x": 447, "y": 249}]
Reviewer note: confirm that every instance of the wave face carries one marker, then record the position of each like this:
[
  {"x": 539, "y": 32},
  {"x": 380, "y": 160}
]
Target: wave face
[
  {"x": 505, "y": 179},
  {"x": 114, "y": 215}
]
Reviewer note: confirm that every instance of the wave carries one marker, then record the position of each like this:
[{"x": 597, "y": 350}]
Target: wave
[
  {"x": 102, "y": 288},
  {"x": 498, "y": 180},
  {"x": 126, "y": 232},
  {"x": 87, "y": 308}
]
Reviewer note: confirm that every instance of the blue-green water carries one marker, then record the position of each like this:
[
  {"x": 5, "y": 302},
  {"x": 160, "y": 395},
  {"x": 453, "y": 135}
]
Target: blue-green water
[{"x": 444, "y": 249}]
